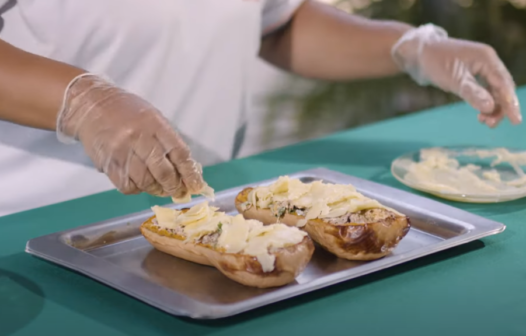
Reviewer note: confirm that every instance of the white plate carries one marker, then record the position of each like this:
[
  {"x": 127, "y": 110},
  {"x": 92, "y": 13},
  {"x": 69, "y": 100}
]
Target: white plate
[{"x": 458, "y": 189}]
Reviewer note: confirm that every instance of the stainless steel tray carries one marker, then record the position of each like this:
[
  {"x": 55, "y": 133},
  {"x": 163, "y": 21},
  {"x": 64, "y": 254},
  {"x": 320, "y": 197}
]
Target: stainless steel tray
[{"x": 114, "y": 253}]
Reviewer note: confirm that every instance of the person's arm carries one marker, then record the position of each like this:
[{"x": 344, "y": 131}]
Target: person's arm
[
  {"x": 32, "y": 87},
  {"x": 322, "y": 42},
  {"x": 125, "y": 136}
]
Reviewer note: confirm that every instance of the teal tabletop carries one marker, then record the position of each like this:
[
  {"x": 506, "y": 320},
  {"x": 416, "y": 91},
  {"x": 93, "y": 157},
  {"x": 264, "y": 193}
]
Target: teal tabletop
[{"x": 475, "y": 289}]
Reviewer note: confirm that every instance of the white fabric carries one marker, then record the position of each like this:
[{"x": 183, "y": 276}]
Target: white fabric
[{"x": 190, "y": 58}]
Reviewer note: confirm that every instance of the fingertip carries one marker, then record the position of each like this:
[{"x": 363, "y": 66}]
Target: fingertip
[
  {"x": 493, "y": 122},
  {"x": 486, "y": 106},
  {"x": 513, "y": 110},
  {"x": 194, "y": 183},
  {"x": 516, "y": 120},
  {"x": 180, "y": 192},
  {"x": 514, "y": 114},
  {"x": 478, "y": 97},
  {"x": 192, "y": 175},
  {"x": 507, "y": 100},
  {"x": 483, "y": 101}
]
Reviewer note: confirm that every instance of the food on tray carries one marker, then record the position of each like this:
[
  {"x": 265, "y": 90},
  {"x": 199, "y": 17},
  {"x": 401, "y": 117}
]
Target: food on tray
[
  {"x": 337, "y": 217},
  {"x": 244, "y": 250}
]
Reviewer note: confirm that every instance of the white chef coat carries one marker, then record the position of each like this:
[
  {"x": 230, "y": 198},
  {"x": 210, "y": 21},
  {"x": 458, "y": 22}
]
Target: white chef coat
[{"x": 189, "y": 58}]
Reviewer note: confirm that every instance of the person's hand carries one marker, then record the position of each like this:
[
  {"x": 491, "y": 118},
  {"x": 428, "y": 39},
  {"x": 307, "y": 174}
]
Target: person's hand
[
  {"x": 127, "y": 139},
  {"x": 431, "y": 58}
]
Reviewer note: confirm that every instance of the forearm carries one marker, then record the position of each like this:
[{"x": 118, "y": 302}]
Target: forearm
[
  {"x": 325, "y": 43},
  {"x": 32, "y": 87}
]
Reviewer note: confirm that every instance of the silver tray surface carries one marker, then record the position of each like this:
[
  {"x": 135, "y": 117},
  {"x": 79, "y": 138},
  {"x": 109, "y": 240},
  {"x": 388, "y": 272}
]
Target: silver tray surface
[{"x": 114, "y": 253}]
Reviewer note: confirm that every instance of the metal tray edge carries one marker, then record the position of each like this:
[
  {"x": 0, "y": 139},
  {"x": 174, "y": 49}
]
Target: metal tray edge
[{"x": 214, "y": 311}]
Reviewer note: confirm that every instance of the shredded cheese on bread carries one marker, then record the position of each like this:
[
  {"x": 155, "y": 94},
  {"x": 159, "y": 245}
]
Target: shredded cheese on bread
[
  {"x": 316, "y": 200},
  {"x": 232, "y": 234}
]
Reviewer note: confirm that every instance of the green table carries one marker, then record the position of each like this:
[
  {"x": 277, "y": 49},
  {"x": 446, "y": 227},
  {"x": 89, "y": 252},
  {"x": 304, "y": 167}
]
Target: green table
[{"x": 475, "y": 289}]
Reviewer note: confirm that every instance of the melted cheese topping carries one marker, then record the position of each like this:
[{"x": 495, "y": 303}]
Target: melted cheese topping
[
  {"x": 236, "y": 234},
  {"x": 262, "y": 238},
  {"x": 320, "y": 200}
]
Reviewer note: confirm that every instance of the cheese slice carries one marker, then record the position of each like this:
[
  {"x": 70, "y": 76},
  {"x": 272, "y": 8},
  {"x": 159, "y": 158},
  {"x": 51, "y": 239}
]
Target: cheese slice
[
  {"x": 262, "y": 198},
  {"x": 165, "y": 216},
  {"x": 201, "y": 212},
  {"x": 235, "y": 235},
  {"x": 258, "y": 248},
  {"x": 206, "y": 191},
  {"x": 265, "y": 237},
  {"x": 184, "y": 199},
  {"x": 196, "y": 230},
  {"x": 286, "y": 189}
]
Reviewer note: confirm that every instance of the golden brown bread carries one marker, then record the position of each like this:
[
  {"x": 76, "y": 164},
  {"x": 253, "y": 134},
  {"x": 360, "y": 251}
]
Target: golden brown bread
[
  {"x": 290, "y": 261},
  {"x": 373, "y": 233}
]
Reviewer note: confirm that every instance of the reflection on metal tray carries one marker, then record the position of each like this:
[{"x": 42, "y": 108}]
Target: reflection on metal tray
[{"x": 114, "y": 253}]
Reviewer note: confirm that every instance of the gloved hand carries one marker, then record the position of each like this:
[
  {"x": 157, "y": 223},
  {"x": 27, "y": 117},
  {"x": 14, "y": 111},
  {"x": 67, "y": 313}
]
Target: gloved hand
[
  {"x": 127, "y": 139},
  {"x": 431, "y": 58}
]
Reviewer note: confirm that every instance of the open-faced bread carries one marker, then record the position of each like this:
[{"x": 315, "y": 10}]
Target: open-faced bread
[
  {"x": 337, "y": 217},
  {"x": 245, "y": 251}
]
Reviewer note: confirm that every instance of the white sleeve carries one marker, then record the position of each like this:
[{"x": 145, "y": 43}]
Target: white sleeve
[{"x": 276, "y": 13}]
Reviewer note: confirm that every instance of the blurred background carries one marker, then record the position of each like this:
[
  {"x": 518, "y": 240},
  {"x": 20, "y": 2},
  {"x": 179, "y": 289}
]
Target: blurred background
[{"x": 288, "y": 109}]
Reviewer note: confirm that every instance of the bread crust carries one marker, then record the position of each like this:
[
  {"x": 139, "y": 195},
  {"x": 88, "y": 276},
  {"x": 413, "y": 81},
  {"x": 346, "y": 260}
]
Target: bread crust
[
  {"x": 244, "y": 269},
  {"x": 352, "y": 241}
]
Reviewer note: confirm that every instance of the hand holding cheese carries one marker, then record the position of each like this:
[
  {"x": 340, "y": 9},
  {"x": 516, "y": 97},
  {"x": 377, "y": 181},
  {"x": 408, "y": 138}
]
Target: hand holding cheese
[
  {"x": 340, "y": 219},
  {"x": 245, "y": 251},
  {"x": 128, "y": 139}
]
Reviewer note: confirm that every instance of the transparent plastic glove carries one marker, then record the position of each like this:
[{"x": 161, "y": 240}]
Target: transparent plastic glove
[
  {"x": 431, "y": 58},
  {"x": 127, "y": 139}
]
